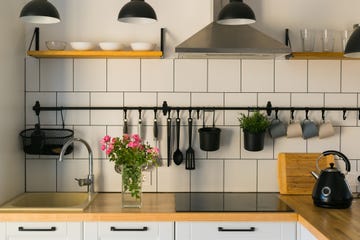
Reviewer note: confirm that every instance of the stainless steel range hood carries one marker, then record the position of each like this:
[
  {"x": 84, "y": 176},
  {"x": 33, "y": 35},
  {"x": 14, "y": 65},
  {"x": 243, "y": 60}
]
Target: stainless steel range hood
[{"x": 232, "y": 41}]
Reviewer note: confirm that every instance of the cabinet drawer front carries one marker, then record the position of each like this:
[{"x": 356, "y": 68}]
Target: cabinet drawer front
[
  {"x": 135, "y": 230},
  {"x": 50, "y": 229},
  {"x": 235, "y": 230}
]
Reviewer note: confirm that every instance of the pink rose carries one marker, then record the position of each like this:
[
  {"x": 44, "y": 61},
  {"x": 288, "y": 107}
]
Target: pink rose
[
  {"x": 107, "y": 138},
  {"x": 103, "y": 147}
]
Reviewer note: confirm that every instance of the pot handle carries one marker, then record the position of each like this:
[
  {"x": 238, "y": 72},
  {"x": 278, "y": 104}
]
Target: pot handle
[{"x": 337, "y": 153}]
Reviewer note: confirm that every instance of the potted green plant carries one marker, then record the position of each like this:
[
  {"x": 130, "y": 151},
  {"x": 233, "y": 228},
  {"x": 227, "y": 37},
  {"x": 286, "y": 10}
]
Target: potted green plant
[
  {"x": 254, "y": 127},
  {"x": 131, "y": 156}
]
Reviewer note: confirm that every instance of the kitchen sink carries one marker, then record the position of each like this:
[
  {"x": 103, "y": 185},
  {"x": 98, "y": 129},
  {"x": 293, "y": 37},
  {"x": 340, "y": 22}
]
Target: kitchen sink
[{"x": 50, "y": 201}]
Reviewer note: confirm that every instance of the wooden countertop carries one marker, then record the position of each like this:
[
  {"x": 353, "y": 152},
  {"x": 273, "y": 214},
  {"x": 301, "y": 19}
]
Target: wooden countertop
[
  {"x": 323, "y": 223},
  {"x": 156, "y": 207},
  {"x": 326, "y": 223}
]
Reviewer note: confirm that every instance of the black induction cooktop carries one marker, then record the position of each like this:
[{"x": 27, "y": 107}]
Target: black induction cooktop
[{"x": 229, "y": 202}]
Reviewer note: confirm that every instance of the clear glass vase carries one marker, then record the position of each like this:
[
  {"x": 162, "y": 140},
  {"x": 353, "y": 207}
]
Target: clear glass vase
[{"x": 131, "y": 193}]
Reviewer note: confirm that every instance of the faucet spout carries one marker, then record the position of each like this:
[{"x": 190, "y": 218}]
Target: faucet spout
[{"x": 90, "y": 180}]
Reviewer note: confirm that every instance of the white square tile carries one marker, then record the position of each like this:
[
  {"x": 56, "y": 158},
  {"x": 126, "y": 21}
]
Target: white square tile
[
  {"x": 290, "y": 76},
  {"x": 56, "y": 74},
  {"x": 208, "y": 176},
  {"x": 67, "y": 171},
  {"x": 350, "y": 76},
  {"x": 157, "y": 75},
  {"x": 92, "y": 135},
  {"x": 106, "y": 117},
  {"x": 140, "y": 100},
  {"x": 46, "y": 100},
  {"x": 224, "y": 75},
  {"x": 267, "y": 176},
  {"x": 173, "y": 178},
  {"x": 40, "y": 175},
  {"x": 123, "y": 74},
  {"x": 320, "y": 145},
  {"x": 74, "y": 117},
  {"x": 240, "y": 175},
  {"x": 90, "y": 74},
  {"x": 349, "y": 146},
  {"x": 32, "y": 74},
  {"x": 238, "y": 100},
  {"x": 229, "y": 144},
  {"x": 324, "y": 76},
  {"x": 190, "y": 75},
  {"x": 308, "y": 100},
  {"x": 284, "y": 144},
  {"x": 341, "y": 100},
  {"x": 267, "y": 152},
  {"x": 257, "y": 76},
  {"x": 209, "y": 100}
]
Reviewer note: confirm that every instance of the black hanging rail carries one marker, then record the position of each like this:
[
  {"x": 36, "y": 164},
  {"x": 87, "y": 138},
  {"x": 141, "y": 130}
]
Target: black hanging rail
[{"x": 165, "y": 108}]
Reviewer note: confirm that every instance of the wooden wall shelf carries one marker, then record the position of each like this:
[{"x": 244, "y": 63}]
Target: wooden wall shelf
[
  {"x": 95, "y": 54},
  {"x": 319, "y": 56}
]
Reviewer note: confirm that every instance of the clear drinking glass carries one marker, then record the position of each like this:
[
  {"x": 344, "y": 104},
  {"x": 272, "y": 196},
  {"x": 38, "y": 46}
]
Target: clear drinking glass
[
  {"x": 307, "y": 39},
  {"x": 327, "y": 40}
]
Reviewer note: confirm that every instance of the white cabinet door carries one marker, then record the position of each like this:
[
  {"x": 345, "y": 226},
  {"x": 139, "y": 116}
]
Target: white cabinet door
[
  {"x": 235, "y": 230},
  {"x": 304, "y": 234},
  {"x": 42, "y": 231},
  {"x": 129, "y": 230}
]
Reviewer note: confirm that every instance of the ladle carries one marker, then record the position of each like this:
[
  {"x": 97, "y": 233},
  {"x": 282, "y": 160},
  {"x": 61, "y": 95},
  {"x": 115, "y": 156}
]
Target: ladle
[{"x": 178, "y": 156}]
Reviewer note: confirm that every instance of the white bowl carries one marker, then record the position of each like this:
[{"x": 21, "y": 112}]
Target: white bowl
[
  {"x": 110, "y": 46},
  {"x": 82, "y": 46},
  {"x": 142, "y": 46},
  {"x": 56, "y": 45}
]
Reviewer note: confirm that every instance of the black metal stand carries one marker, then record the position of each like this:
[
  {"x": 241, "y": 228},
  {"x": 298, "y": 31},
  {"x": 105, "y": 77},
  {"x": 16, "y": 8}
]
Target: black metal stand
[
  {"x": 165, "y": 108},
  {"x": 36, "y": 36}
]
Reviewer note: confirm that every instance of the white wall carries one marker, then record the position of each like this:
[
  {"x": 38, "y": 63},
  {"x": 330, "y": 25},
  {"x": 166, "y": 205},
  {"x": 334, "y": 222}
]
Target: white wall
[
  {"x": 205, "y": 82},
  {"x": 12, "y": 162}
]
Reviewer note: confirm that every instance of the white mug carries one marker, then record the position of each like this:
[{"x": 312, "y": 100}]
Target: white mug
[{"x": 326, "y": 129}]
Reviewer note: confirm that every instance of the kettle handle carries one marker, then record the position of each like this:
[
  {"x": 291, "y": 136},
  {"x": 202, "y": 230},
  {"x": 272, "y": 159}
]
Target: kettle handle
[{"x": 337, "y": 153}]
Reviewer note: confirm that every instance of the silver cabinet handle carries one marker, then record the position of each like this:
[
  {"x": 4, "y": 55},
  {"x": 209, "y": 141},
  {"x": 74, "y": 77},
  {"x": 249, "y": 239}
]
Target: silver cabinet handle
[
  {"x": 143, "y": 229},
  {"x": 22, "y": 229},
  {"x": 251, "y": 229}
]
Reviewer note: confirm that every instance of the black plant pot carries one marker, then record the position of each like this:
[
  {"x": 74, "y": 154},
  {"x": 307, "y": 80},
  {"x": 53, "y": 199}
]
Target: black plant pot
[{"x": 254, "y": 141}]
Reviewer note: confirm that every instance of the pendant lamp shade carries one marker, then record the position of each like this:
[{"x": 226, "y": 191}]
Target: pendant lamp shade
[
  {"x": 352, "y": 49},
  {"x": 40, "y": 12},
  {"x": 236, "y": 13},
  {"x": 137, "y": 11}
]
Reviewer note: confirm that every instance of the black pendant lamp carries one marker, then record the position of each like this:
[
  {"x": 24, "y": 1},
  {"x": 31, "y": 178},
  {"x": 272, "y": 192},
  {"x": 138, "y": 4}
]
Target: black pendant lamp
[
  {"x": 352, "y": 49},
  {"x": 137, "y": 11},
  {"x": 236, "y": 13},
  {"x": 40, "y": 12}
]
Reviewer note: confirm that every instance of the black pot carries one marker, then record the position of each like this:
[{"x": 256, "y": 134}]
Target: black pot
[
  {"x": 209, "y": 138},
  {"x": 254, "y": 141}
]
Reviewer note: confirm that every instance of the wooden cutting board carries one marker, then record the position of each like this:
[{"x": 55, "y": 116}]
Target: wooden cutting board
[{"x": 294, "y": 169}]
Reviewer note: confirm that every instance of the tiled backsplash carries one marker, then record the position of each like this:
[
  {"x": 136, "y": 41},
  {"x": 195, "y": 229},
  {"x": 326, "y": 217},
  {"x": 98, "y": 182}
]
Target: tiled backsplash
[{"x": 187, "y": 82}]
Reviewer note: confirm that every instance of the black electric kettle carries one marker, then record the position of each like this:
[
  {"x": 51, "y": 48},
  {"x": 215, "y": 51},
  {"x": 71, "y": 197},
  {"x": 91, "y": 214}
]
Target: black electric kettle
[{"x": 331, "y": 189}]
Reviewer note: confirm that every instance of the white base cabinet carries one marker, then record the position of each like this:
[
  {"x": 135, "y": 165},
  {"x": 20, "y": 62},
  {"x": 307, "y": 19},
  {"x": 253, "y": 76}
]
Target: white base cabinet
[
  {"x": 129, "y": 230},
  {"x": 304, "y": 234},
  {"x": 41, "y": 231},
  {"x": 235, "y": 230}
]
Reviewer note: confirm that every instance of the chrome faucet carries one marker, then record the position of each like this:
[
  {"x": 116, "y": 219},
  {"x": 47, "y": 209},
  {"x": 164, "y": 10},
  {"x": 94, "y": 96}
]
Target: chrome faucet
[{"x": 89, "y": 181}]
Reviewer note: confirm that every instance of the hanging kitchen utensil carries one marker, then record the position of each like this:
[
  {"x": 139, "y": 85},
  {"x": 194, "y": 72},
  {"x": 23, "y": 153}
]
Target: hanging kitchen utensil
[
  {"x": 190, "y": 154},
  {"x": 125, "y": 128},
  {"x": 331, "y": 189},
  {"x": 178, "y": 156},
  {"x": 140, "y": 124},
  {"x": 168, "y": 121},
  {"x": 209, "y": 136},
  {"x": 156, "y": 135}
]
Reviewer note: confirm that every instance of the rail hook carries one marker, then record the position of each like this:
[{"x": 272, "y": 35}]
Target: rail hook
[
  {"x": 344, "y": 114},
  {"x": 292, "y": 110},
  {"x": 323, "y": 114},
  {"x": 276, "y": 113},
  {"x": 307, "y": 114}
]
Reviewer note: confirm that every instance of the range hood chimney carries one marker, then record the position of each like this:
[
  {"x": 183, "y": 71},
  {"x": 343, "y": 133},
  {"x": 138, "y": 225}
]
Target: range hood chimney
[{"x": 233, "y": 41}]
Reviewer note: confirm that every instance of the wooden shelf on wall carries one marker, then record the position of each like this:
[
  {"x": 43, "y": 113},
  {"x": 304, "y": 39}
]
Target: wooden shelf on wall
[
  {"x": 95, "y": 54},
  {"x": 319, "y": 56}
]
